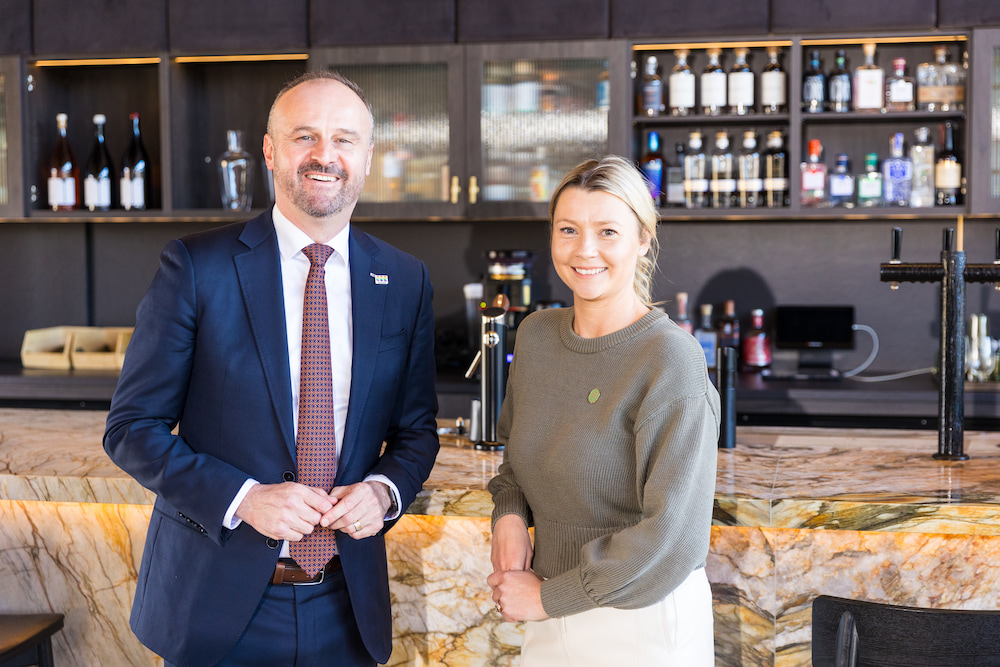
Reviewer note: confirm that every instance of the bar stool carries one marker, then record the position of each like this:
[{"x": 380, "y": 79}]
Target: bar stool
[{"x": 26, "y": 639}]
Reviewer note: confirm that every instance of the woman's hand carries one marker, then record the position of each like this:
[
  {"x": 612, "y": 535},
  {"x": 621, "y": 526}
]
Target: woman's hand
[
  {"x": 511, "y": 548},
  {"x": 518, "y": 595}
]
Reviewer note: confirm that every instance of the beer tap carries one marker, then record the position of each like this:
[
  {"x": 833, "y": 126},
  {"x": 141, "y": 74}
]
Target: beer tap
[
  {"x": 492, "y": 355},
  {"x": 953, "y": 273}
]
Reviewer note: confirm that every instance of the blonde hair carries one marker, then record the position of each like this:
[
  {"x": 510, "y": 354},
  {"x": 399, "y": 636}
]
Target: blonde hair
[{"x": 617, "y": 176}]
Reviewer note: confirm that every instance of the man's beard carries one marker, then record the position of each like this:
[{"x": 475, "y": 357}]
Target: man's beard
[{"x": 318, "y": 206}]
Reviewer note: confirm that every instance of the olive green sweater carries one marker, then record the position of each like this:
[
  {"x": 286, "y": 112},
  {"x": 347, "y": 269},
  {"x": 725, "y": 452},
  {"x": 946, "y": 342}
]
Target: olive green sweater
[{"x": 611, "y": 448}]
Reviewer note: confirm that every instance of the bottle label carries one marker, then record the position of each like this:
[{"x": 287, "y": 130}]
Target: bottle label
[
  {"x": 97, "y": 192},
  {"x": 652, "y": 97},
  {"x": 948, "y": 174},
  {"x": 901, "y": 91},
  {"x": 653, "y": 171},
  {"x": 696, "y": 185},
  {"x": 869, "y": 89},
  {"x": 707, "y": 340},
  {"x": 133, "y": 195},
  {"x": 940, "y": 94},
  {"x": 713, "y": 89},
  {"x": 749, "y": 185},
  {"x": 741, "y": 89},
  {"x": 841, "y": 185},
  {"x": 812, "y": 90},
  {"x": 756, "y": 352},
  {"x": 869, "y": 188},
  {"x": 62, "y": 191},
  {"x": 723, "y": 185},
  {"x": 840, "y": 89},
  {"x": 682, "y": 91},
  {"x": 813, "y": 179},
  {"x": 775, "y": 184},
  {"x": 772, "y": 89}
]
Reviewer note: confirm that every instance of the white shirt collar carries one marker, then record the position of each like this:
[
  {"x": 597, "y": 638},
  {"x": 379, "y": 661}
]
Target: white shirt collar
[{"x": 292, "y": 240}]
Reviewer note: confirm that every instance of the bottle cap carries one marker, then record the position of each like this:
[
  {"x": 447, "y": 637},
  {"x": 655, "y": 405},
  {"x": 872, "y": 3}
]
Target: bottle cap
[
  {"x": 61, "y": 118},
  {"x": 815, "y": 147},
  {"x": 722, "y": 139},
  {"x": 99, "y": 119},
  {"x": 749, "y": 139},
  {"x": 868, "y": 48},
  {"x": 899, "y": 63},
  {"x": 871, "y": 161}
]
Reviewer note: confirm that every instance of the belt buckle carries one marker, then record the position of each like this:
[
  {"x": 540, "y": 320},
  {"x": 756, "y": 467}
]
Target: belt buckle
[{"x": 322, "y": 575}]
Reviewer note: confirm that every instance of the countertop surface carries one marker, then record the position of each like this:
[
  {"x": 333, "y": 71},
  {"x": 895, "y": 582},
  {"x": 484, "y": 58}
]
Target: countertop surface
[{"x": 854, "y": 479}]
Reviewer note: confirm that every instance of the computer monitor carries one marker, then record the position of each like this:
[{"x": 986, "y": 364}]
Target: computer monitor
[{"x": 814, "y": 332}]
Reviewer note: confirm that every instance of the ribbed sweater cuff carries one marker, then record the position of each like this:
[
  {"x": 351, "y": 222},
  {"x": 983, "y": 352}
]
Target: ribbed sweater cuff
[
  {"x": 510, "y": 504},
  {"x": 564, "y": 595}
]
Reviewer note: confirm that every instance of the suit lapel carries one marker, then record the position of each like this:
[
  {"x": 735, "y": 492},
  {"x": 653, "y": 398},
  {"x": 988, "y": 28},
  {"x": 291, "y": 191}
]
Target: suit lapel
[
  {"x": 259, "y": 273},
  {"x": 368, "y": 295}
]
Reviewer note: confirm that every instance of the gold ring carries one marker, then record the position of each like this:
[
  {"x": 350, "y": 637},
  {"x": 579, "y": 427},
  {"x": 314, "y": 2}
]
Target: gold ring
[
  {"x": 499, "y": 608},
  {"x": 357, "y": 526}
]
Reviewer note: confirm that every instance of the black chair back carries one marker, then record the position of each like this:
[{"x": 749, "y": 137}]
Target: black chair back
[{"x": 855, "y": 633}]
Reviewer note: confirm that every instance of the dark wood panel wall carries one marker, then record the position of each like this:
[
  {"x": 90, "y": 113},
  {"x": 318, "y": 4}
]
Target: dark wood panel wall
[{"x": 95, "y": 273}]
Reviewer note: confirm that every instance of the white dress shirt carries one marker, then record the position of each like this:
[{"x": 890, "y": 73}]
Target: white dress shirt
[{"x": 294, "y": 271}]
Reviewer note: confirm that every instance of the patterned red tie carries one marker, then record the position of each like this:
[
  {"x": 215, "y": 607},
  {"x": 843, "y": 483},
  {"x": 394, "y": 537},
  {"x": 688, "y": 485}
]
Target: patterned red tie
[{"x": 316, "y": 441}]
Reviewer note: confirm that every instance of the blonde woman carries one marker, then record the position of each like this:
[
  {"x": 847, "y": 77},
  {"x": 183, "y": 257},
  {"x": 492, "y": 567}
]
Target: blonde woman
[{"x": 611, "y": 427}]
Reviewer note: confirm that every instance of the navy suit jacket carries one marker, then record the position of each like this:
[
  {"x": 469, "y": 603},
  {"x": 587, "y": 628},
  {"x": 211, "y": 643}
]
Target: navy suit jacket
[{"x": 209, "y": 356}]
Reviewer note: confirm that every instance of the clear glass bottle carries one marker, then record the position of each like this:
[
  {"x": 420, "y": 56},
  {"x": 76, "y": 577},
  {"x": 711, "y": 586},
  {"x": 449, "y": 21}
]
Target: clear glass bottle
[
  {"x": 897, "y": 174},
  {"x": 941, "y": 83},
  {"x": 899, "y": 88},
  {"x": 814, "y": 176},
  {"x": 682, "y": 86},
  {"x": 236, "y": 170},
  {"x": 652, "y": 89},
  {"x": 814, "y": 85},
  {"x": 740, "y": 92},
  {"x": 773, "y": 84},
  {"x": 695, "y": 180},
  {"x": 705, "y": 334},
  {"x": 948, "y": 170},
  {"x": 723, "y": 184},
  {"x": 136, "y": 183},
  {"x": 748, "y": 182},
  {"x": 840, "y": 84},
  {"x": 869, "y": 82},
  {"x": 922, "y": 157},
  {"x": 842, "y": 183},
  {"x": 870, "y": 183},
  {"x": 683, "y": 321},
  {"x": 713, "y": 85},
  {"x": 97, "y": 179},
  {"x": 756, "y": 344},
  {"x": 674, "y": 178},
  {"x": 63, "y": 171},
  {"x": 776, "y": 190},
  {"x": 651, "y": 165}
]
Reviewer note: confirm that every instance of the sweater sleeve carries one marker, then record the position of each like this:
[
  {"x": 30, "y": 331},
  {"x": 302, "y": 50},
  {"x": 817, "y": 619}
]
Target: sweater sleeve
[
  {"x": 676, "y": 454},
  {"x": 508, "y": 498}
]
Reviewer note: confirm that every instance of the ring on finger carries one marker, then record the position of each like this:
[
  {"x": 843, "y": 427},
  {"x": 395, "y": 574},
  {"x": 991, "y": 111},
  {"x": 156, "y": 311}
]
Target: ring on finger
[
  {"x": 357, "y": 526},
  {"x": 499, "y": 608}
]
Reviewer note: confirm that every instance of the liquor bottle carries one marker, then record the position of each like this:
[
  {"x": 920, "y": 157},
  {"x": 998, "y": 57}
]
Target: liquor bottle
[
  {"x": 756, "y": 344},
  {"x": 683, "y": 321},
  {"x": 870, "y": 183},
  {"x": 814, "y": 85},
  {"x": 748, "y": 182},
  {"x": 713, "y": 85},
  {"x": 64, "y": 171},
  {"x": 652, "y": 89},
  {"x": 773, "y": 84},
  {"x": 840, "y": 84},
  {"x": 728, "y": 327},
  {"x": 776, "y": 193},
  {"x": 651, "y": 165},
  {"x": 674, "y": 178},
  {"x": 136, "y": 182},
  {"x": 922, "y": 157},
  {"x": 814, "y": 176},
  {"x": 695, "y": 181},
  {"x": 897, "y": 174},
  {"x": 741, "y": 85},
  {"x": 899, "y": 88},
  {"x": 869, "y": 80},
  {"x": 97, "y": 182},
  {"x": 706, "y": 335},
  {"x": 940, "y": 84},
  {"x": 681, "y": 84},
  {"x": 948, "y": 170},
  {"x": 842, "y": 183},
  {"x": 723, "y": 185}
]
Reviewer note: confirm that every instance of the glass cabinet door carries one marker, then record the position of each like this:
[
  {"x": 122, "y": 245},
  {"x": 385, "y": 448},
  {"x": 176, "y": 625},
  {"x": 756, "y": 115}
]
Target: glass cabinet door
[
  {"x": 419, "y": 150},
  {"x": 12, "y": 198},
  {"x": 984, "y": 146},
  {"x": 535, "y": 112}
]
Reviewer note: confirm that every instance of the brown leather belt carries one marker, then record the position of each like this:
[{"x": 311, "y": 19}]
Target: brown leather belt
[{"x": 287, "y": 572}]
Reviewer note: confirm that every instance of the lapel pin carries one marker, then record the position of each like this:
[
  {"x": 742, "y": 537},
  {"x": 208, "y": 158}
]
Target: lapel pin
[
  {"x": 380, "y": 278},
  {"x": 594, "y": 395}
]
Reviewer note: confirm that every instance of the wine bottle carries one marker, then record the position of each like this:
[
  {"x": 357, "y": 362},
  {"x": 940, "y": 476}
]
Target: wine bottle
[
  {"x": 756, "y": 344},
  {"x": 652, "y": 166},
  {"x": 64, "y": 171},
  {"x": 683, "y": 321},
  {"x": 97, "y": 182},
  {"x": 136, "y": 183},
  {"x": 948, "y": 170}
]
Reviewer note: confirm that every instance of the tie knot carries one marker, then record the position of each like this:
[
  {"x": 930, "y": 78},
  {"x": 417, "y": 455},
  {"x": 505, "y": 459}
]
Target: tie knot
[{"x": 317, "y": 253}]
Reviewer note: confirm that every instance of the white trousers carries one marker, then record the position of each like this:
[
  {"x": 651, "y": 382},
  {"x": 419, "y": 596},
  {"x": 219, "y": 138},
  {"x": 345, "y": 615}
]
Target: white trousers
[{"x": 675, "y": 631}]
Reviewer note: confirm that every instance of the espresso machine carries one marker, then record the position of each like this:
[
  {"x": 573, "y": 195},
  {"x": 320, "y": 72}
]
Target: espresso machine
[{"x": 508, "y": 273}]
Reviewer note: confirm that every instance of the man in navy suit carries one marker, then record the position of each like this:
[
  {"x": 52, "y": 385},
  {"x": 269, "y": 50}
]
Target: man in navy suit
[{"x": 204, "y": 412}]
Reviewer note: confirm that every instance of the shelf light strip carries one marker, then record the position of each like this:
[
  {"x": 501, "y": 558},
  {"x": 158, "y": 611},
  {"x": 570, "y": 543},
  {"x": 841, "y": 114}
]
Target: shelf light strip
[
  {"x": 242, "y": 59},
  {"x": 96, "y": 61},
  {"x": 884, "y": 40},
  {"x": 710, "y": 45}
]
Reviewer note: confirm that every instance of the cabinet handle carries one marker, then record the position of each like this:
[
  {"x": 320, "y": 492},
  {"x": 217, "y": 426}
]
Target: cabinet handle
[
  {"x": 456, "y": 189},
  {"x": 473, "y": 189}
]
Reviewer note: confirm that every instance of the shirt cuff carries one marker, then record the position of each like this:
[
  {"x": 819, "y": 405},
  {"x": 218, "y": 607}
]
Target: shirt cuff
[
  {"x": 394, "y": 510},
  {"x": 229, "y": 521}
]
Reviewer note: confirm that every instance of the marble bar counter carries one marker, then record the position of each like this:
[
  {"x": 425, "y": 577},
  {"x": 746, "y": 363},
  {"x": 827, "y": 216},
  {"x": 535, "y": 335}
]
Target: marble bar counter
[{"x": 799, "y": 512}]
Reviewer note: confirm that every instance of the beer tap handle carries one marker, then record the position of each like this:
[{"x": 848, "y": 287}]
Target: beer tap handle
[
  {"x": 897, "y": 244},
  {"x": 948, "y": 240},
  {"x": 996, "y": 244}
]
